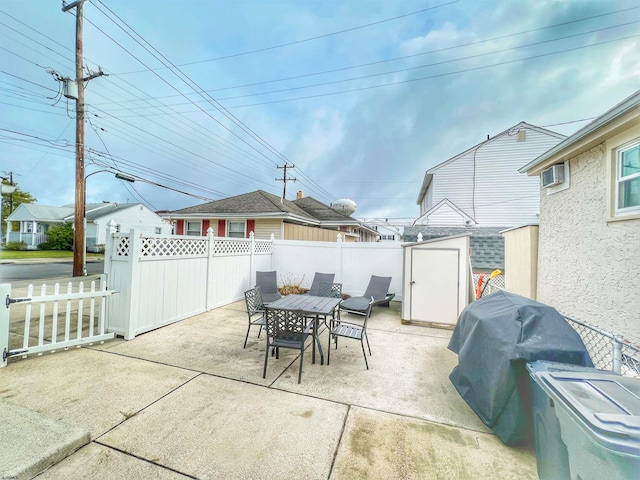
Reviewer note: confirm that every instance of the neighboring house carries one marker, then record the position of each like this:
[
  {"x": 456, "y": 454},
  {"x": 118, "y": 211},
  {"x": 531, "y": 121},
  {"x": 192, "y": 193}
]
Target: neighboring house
[
  {"x": 589, "y": 232},
  {"x": 388, "y": 233},
  {"x": 35, "y": 220},
  {"x": 481, "y": 192},
  {"x": 264, "y": 214}
]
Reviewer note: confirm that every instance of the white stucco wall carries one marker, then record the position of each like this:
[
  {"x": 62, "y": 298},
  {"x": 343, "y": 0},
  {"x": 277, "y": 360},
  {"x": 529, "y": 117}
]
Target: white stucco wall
[{"x": 589, "y": 268}]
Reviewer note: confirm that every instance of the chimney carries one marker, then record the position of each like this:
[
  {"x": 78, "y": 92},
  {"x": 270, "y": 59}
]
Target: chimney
[{"x": 299, "y": 195}]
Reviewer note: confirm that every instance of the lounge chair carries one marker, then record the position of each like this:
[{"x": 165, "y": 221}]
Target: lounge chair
[{"x": 378, "y": 289}]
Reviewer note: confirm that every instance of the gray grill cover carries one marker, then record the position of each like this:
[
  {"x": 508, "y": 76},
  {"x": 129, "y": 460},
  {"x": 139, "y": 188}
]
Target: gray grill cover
[{"x": 494, "y": 338}]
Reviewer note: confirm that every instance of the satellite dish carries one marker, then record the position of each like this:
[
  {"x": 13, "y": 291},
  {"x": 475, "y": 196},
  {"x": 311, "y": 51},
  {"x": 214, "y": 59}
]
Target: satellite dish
[{"x": 344, "y": 205}]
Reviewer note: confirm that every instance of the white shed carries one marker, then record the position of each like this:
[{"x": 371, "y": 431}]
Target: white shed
[{"x": 436, "y": 284}]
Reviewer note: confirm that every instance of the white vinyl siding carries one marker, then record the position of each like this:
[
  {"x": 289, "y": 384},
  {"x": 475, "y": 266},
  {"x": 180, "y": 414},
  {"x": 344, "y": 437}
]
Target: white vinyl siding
[{"x": 503, "y": 196}]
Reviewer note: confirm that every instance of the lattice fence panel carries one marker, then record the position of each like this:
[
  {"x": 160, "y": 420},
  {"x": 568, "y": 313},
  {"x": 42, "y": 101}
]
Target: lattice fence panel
[
  {"x": 122, "y": 247},
  {"x": 231, "y": 247},
  {"x": 173, "y": 247},
  {"x": 263, "y": 247}
]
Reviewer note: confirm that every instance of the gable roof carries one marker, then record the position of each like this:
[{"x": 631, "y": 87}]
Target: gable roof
[
  {"x": 321, "y": 211},
  {"x": 253, "y": 203},
  {"x": 441, "y": 204},
  {"x": 606, "y": 125},
  {"x": 99, "y": 210},
  {"x": 509, "y": 131},
  {"x": 33, "y": 211},
  {"x": 262, "y": 204}
]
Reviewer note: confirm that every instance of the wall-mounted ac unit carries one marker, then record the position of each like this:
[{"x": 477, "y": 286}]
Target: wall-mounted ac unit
[{"x": 553, "y": 175}]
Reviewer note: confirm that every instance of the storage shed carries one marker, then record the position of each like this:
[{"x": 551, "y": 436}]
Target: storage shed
[{"x": 436, "y": 284}]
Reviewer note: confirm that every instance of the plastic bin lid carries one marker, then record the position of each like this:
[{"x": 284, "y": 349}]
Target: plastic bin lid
[
  {"x": 607, "y": 403},
  {"x": 549, "y": 366}
]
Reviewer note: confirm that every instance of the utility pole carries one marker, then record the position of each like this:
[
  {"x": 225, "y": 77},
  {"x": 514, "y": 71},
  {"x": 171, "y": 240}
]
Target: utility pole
[
  {"x": 284, "y": 180},
  {"x": 78, "y": 219}
]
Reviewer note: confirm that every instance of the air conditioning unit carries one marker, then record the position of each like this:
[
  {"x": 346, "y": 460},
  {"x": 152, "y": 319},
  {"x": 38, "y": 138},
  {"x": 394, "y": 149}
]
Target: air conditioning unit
[{"x": 553, "y": 175}]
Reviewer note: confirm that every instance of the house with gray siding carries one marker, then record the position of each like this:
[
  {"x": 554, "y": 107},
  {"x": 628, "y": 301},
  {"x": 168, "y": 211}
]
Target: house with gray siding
[
  {"x": 589, "y": 229},
  {"x": 480, "y": 191}
]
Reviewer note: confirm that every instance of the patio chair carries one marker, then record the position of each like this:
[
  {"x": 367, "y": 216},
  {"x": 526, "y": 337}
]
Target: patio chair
[
  {"x": 268, "y": 283},
  {"x": 333, "y": 290},
  {"x": 286, "y": 329},
  {"x": 355, "y": 331},
  {"x": 255, "y": 310},
  {"x": 378, "y": 289},
  {"x": 319, "y": 278}
]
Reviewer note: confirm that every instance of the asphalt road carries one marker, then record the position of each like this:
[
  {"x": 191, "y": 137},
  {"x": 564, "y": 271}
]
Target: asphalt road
[{"x": 18, "y": 272}]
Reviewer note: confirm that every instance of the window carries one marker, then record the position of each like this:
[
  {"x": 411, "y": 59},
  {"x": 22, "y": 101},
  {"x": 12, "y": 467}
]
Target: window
[
  {"x": 158, "y": 230},
  {"x": 628, "y": 179},
  {"x": 235, "y": 229},
  {"x": 194, "y": 228}
]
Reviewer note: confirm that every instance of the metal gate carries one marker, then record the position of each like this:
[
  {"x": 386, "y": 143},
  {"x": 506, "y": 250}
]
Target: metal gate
[{"x": 61, "y": 319}]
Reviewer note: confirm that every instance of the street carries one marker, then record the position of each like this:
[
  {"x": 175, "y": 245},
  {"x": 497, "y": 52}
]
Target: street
[{"x": 20, "y": 272}]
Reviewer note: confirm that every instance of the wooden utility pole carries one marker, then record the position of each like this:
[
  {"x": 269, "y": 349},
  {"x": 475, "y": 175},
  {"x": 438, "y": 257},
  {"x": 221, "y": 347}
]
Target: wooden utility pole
[
  {"x": 78, "y": 219},
  {"x": 284, "y": 180}
]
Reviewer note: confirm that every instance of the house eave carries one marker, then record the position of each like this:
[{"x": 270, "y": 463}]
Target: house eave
[{"x": 619, "y": 118}]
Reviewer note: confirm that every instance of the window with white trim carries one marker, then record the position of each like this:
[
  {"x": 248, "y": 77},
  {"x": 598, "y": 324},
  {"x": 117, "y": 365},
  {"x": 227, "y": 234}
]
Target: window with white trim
[
  {"x": 194, "y": 228},
  {"x": 236, "y": 229},
  {"x": 628, "y": 179}
]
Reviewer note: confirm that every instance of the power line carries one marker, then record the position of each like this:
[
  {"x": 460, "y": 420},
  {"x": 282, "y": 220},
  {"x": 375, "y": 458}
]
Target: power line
[
  {"x": 296, "y": 42},
  {"x": 394, "y": 59}
]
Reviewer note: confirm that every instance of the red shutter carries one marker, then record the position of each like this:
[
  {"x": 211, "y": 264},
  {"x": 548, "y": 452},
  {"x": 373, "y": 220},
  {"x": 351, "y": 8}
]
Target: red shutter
[
  {"x": 205, "y": 227},
  {"x": 251, "y": 227},
  {"x": 222, "y": 228},
  {"x": 180, "y": 227}
]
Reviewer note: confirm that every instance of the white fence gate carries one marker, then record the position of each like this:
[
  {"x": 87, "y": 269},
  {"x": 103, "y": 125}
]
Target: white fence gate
[{"x": 64, "y": 320}]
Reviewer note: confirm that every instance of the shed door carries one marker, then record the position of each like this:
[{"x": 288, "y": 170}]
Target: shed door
[{"x": 435, "y": 285}]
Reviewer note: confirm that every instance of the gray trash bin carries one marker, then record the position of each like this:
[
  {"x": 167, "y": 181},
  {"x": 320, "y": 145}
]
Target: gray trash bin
[{"x": 586, "y": 422}]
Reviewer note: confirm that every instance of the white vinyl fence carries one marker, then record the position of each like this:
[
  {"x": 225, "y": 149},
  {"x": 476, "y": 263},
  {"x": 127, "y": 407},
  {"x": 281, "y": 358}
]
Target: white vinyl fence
[
  {"x": 352, "y": 262},
  {"x": 164, "y": 279}
]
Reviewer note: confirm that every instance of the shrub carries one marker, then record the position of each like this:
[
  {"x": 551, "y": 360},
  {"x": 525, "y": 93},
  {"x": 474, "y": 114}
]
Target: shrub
[
  {"x": 59, "y": 237},
  {"x": 291, "y": 285},
  {"x": 15, "y": 246}
]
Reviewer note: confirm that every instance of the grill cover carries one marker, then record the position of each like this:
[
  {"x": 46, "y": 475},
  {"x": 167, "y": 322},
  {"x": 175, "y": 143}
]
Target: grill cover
[{"x": 494, "y": 338}]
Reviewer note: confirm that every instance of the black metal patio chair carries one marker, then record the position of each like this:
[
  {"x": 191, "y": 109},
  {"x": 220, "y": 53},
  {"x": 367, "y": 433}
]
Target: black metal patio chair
[
  {"x": 286, "y": 329},
  {"x": 255, "y": 310},
  {"x": 347, "y": 329}
]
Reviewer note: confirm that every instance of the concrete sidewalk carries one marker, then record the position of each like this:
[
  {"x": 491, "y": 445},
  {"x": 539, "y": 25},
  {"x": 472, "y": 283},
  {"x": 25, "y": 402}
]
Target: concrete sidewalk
[{"x": 187, "y": 401}]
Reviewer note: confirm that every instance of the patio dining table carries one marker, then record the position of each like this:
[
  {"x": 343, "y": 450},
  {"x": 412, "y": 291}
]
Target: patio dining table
[{"x": 311, "y": 306}]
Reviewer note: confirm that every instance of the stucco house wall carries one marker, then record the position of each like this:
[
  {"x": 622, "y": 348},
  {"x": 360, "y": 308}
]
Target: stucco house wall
[{"x": 589, "y": 268}]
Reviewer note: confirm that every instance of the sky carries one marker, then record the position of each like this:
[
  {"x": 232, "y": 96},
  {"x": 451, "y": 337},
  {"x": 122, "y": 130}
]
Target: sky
[{"x": 205, "y": 99}]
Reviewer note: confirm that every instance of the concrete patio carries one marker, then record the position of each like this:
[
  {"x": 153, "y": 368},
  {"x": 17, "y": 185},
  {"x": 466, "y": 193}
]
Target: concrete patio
[{"x": 187, "y": 401}]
